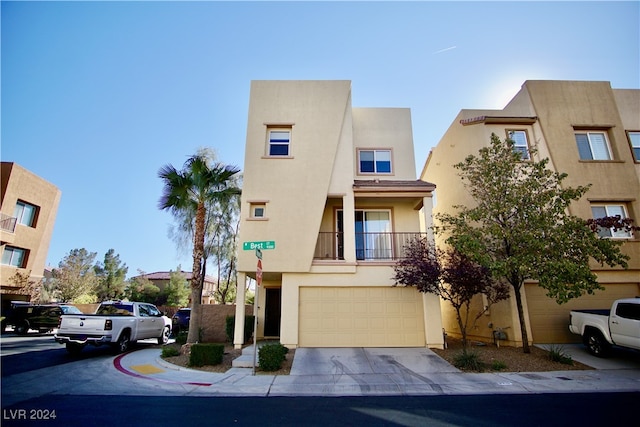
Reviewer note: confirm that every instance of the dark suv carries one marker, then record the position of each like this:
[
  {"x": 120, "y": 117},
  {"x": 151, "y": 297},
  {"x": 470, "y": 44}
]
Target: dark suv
[
  {"x": 43, "y": 318},
  {"x": 180, "y": 320}
]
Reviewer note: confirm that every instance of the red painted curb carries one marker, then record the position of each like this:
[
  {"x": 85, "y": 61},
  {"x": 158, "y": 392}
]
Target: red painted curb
[{"x": 117, "y": 363}]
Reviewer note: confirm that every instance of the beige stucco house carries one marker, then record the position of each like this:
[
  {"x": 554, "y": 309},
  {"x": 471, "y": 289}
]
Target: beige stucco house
[
  {"x": 28, "y": 208},
  {"x": 162, "y": 278},
  {"x": 586, "y": 129},
  {"x": 334, "y": 187}
]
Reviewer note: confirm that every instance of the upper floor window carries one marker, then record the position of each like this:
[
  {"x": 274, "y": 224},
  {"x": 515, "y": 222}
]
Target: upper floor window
[
  {"x": 25, "y": 213},
  {"x": 15, "y": 257},
  {"x": 520, "y": 145},
  {"x": 593, "y": 146},
  {"x": 601, "y": 211},
  {"x": 634, "y": 140},
  {"x": 279, "y": 140},
  {"x": 374, "y": 161}
]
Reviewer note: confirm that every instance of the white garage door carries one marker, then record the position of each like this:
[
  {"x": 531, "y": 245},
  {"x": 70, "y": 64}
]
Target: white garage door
[
  {"x": 361, "y": 317},
  {"x": 550, "y": 321}
]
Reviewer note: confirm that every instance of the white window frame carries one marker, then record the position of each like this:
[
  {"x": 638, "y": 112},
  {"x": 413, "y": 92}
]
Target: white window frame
[
  {"x": 278, "y": 142},
  {"x": 25, "y": 213},
  {"x": 612, "y": 209},
  {"x": 518, "y": 146},
  {"x": 15, "y": 257},
  {"x": 590, "y": 141},
  {"x": 376, "y": 152},
  {"x": 634, "y": 142}
]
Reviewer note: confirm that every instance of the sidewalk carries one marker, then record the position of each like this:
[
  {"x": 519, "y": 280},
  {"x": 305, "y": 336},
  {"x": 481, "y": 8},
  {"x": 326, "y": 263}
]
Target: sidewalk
[{"x": 342, "y": 372}]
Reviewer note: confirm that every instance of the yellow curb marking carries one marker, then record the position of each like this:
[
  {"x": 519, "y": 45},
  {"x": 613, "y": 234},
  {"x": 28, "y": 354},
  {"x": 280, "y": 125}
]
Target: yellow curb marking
[{"x": 147, "y": 369}]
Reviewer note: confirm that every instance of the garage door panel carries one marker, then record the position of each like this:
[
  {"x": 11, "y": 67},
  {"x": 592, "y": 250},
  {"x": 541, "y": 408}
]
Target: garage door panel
[{"x": 361, "y": 316}]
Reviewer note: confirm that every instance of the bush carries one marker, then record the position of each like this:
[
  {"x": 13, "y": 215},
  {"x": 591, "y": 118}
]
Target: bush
[
  {"x": 170, "y": 351},
  {"x": 181, "y": 338},
  {"x": 271, "y": 356},
  {"x": 206, "y": 354},
  {"x": 468, "y": 360},
  {"x": 559, "y": 354},
  {"x": 231, "y": 324},
  {"x": 498, "y": 365}
]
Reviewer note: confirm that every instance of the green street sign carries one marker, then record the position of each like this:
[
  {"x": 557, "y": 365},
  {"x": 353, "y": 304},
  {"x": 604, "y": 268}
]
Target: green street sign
[{"x": 252, "y": 246}]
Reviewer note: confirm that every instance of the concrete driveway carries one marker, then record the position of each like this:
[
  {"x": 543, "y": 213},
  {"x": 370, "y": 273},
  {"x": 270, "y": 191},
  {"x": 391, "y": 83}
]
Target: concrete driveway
[
  {"x": 353, "y": 361},
  {"x": 619, "y": 358}
]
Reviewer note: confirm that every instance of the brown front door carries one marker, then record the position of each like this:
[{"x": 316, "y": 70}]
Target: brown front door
[{"x": 272, "y": 312}]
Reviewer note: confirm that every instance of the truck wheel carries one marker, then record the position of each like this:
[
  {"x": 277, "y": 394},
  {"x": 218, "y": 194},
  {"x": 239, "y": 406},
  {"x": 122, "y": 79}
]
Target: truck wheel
[
  {"x": 164, "y": 338},
  {"x": 596, "y": 344},
  {"x": 22, "y": 328},
  {"x": 123, "y": 343},
  {"x": 73, "y": 349}
]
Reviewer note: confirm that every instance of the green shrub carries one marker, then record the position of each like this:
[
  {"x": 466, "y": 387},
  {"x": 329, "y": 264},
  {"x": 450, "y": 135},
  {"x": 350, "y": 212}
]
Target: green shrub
[
  {"x": 468, "y": 360},
  {"x": 206, "y": 354},
  {"x": 557, "y": 353},
  {"x": 181, "y": 338},
  {"x": 231, "y": 324},
  {"x": 498, "y": 365},
  {"x": 271, "y": 356},
  {"x": 170, "y": 351}
]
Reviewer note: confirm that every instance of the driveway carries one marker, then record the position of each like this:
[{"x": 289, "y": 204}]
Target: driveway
[{"x": 620, "y": 358}]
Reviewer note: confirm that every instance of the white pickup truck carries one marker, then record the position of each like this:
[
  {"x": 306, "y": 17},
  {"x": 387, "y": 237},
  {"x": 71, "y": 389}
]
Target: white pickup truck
[
  {"x": 116, "y": 323},
  {"x": 602, "y": 329}
]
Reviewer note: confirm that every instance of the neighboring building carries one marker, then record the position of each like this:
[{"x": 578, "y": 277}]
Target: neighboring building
[
  {"x": 161, "y": 280},
  {"x": 587, "y": 130},
  {"x": 335, "y": 188},
  {"x": 28, "y": 208}
]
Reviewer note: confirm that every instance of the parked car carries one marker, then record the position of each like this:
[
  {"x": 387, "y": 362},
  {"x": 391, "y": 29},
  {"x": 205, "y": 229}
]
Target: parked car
[
  {"x": 116, "y": 323},
  {"x": 40, "y": 317},
  {"x": 180, "y": 320},
  {"x": 602, "y": 329}
]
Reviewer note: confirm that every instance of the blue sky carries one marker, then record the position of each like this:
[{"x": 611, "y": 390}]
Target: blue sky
[{"x": 97, "y": 96}]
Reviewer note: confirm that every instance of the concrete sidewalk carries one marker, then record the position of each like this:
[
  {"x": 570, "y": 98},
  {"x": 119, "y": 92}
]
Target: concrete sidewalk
[{"x": 364, "y": 372}]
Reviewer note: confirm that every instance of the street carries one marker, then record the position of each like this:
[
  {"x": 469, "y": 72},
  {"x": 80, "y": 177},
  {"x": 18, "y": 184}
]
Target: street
[{"x": 87, "y": 391}]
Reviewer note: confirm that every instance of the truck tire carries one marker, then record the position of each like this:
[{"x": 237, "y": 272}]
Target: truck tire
[
  {"x": 22, "y": 328},
  {"x": 73, "y": 349},
  {"x": 164, "y": 338},
  {"x": 123, "y": 342},
  {"x": 596, "y": 344}
]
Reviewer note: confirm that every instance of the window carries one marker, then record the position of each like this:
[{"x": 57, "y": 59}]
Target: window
[
  {"x": 374, "y": 161},
  {"x": 15, "y": 257},
  {"x": 634, "y": 140},
  {"x": 593, "y": 146},
  {"x": 257, "y": 210},
  {"x": 25, "y": 213},
  {"x": 628, "y": 311},
  {"x": 601, "y": 211},
  {"x": 520, "y": 145},
  {"x": 279, "y": 140}
]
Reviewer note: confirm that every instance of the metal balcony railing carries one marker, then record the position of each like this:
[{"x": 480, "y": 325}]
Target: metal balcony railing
[
  {"x": 7, "y": 223},
  {"x": 369, "y": 246}
]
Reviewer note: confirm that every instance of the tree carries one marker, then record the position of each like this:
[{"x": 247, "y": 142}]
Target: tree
[
  {"x": 520, "y": 227},
  {"x": 177, "y": 290},
  {"x": 111, "y": 276},
  {"x": 189, "y": 191},
  {"x": 75, "y": 275},
  {"x": 141, "y": 289},
  {"x": 450, "y": 275},
  {"x": 27, "y": 286}
]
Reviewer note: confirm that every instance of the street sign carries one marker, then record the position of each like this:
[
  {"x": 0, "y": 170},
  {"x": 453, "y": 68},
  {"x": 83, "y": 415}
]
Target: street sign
[{"x": 250, "y": 246}]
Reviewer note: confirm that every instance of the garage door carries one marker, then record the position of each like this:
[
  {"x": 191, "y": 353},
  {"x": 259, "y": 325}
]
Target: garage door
[
  {"x": 361, "y": 317},
  {"x": 549, "y": 321}
]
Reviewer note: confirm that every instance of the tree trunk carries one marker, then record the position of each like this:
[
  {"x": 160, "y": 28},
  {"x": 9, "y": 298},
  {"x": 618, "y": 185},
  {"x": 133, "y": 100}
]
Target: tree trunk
[
  {"x": 196, "y": 284},
  {"x": 523, "y": 325}
]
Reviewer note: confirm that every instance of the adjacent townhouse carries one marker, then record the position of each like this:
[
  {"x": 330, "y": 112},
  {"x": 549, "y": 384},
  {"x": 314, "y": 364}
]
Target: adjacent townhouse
[
  {"x": 587, "y": 130},
  {"x": 161, "y": 280},
  {"x": 331, "y": 192},
  {"x": 28, "y": 208}
]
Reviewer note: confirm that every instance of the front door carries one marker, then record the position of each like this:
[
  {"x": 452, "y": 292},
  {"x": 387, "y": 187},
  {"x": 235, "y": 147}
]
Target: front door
[{"x": 272, "y": 312}]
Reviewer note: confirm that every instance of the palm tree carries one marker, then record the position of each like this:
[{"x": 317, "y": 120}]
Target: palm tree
[{"x": 189, "y": 191}]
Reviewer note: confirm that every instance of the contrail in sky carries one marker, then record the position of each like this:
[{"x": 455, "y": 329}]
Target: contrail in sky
[{"x": 444, "y": 50}]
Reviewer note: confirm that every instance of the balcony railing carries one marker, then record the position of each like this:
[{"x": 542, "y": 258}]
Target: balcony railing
[
  {"x": 7, "y": 223},
  {"x": 369, "y": 246}
]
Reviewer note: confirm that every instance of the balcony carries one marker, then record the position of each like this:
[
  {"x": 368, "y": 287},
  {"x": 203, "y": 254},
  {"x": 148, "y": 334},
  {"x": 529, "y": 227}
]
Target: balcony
[
  {"x": 7, "y": 223},
  {"x": 385, "y": 246}
]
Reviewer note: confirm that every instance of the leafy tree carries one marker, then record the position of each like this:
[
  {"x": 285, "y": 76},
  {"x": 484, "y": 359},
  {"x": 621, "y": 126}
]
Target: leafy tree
[
  {"x": 111, "y": 277},
  {"x": 520, "y": 227},
  {"x": 141, "y": 289},
  {"x": 27, "y": 286},
  {"x": 187, "y": 193},
  {"x": 75, "y": 275},
  {"x": 177, "y": 290},
  {"x": 450, "y": 275}
]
